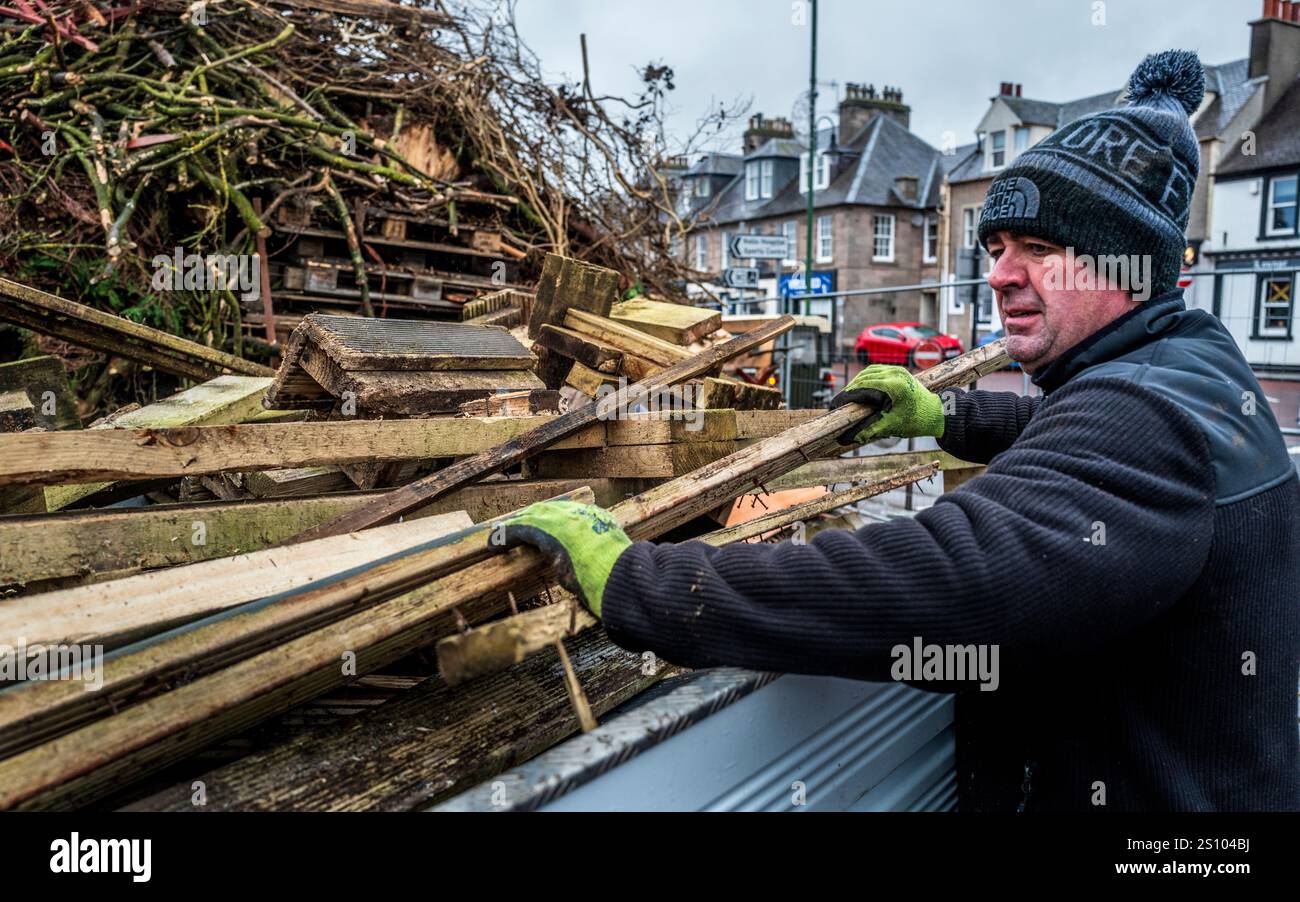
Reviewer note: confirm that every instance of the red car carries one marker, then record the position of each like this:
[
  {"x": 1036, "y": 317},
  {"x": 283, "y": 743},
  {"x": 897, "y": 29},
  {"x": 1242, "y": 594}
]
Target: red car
[{"x": 896, "y": 343}]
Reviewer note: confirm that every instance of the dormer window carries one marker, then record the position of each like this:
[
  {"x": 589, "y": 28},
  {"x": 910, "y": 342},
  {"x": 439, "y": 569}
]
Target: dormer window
[
  {"x": 758, "y": 180},
  {"x": 1022, "y": 139},
  {"x": 821, "y": 172},
  {"x": 998, "y": 150},
  {"x": 702, "y": 187}
]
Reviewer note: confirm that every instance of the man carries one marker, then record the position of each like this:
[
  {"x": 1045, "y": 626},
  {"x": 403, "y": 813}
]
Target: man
[{"x": 1131, "y": 550}]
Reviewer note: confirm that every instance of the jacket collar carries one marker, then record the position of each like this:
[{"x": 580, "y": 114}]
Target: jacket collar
[{"x": 1132, "y": 330}]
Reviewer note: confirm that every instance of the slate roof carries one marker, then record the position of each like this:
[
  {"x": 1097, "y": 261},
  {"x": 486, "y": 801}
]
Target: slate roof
[
  {"x": 1229, "y": 81},
  {"x": 717, "y": 164},
  {"x": 885, "y": 150},
  {"x": 1277, "y": 139}
]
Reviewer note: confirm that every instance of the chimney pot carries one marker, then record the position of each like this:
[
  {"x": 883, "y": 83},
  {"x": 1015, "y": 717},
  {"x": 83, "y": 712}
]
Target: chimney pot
[
  {"x": 1270, "y": 8},
  {"x": 1018, "y": 90}
]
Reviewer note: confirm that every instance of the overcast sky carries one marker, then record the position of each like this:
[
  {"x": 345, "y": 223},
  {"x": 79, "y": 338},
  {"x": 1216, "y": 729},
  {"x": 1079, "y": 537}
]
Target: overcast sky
[{"x": 947, "y": 56}]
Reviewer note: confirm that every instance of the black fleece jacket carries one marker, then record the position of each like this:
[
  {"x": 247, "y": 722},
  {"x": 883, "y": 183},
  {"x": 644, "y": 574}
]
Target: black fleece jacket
[{"x": 1132, "y": 551}]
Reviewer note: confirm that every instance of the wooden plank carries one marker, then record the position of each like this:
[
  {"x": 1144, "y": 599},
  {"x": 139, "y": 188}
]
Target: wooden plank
[
  {"x": 125, "y": 454},
  {"x": 625, "y": 338},
  {"x": 568, "y": 284},
  {"x": 71, "y": 548},
  {"x": 590, "y": 352},
  {"x": 49, "y": 314},
  {"x": 631, "y": 461},
  {"x": 588, "y": 381},
  {"x": 294, "y": 482},
  {"x": 678, "y": 323},
  {"x": 358, "y": 344},
  {"x": 835, "y": 471},
  {"x": 424, "y": 745},
  {"x": 109, "y": 613},
  {"x": 513, "y": 404},
  {"x": 45, "y": 382},
  {"x": 522, "y": 447},
  {"x": 716, "y": 393},
  {"x": 225, "y": 399},
  {"x": 407, "y": 393},
  {"x": 762, "y": 423}
]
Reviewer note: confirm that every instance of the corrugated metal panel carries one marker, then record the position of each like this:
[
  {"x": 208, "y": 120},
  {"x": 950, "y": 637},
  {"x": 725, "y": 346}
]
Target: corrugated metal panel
[{"x": 850, "y": 744}]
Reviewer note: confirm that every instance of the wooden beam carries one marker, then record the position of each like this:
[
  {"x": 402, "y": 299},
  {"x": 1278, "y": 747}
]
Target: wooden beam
[
  {"x": 524, "y": 446},
  {"x": 590, "y": 352},
  {"x": 49, "y": 314},
  {"x": 625, "y": 338},
  {"x": 678, "y": 323},
  {"x": 50, "y": 458},
  {"x": 110, "y": 613},
  {"x": 73, "y": 548},
  {"x": 568, "y": 284},
  {"x": 225, "y": 399},
  {"x": 631, "y": 461},
  {"x": 715, "y": 393}
]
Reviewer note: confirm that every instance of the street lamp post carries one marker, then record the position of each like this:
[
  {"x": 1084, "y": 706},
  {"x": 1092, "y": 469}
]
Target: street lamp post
[{"x": 812, "y": 153}]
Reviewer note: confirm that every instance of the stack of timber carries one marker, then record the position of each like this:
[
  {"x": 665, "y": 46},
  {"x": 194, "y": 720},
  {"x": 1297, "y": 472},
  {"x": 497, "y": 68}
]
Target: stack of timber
[{"x": 299, "y": 638}]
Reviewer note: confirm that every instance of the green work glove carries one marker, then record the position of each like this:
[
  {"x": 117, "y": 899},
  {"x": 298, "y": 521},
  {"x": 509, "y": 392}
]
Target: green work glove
[
  {"x": 906, "y": 407},
  {"x": 582, "y": 540}
]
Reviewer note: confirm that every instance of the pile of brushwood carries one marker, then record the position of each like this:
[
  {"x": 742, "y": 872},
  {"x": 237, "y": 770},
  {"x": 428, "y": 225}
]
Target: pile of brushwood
[{"x": 128, "y": 131}]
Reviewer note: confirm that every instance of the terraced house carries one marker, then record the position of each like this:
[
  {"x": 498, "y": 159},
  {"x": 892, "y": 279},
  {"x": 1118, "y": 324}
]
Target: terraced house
[{"x": 876, "y": 221}]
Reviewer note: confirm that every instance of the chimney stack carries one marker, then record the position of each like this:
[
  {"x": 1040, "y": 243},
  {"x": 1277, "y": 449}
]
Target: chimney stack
[
  {"x": 862, "y": 103},
  {"x": 1275, "y": 48}
]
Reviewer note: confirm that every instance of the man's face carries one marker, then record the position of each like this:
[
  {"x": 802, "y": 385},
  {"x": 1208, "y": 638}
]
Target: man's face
[{"x": 1042, "y": 319}]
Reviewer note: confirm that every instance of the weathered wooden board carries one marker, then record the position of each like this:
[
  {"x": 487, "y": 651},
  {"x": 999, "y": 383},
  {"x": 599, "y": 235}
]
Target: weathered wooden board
[
  {"x": 718, "y": 393},
  {"x": 16, "y": 412},
  {"x": 625, "y": 338},
  {"x": 590, "y": 382},
  {"x": 678, "y": 323},
  {"x": 88, "y": 327},
  {"x": 406, "y": 392},
  {"x": 125, "y": 454},
  {"x": 111, "y": 612},
  {"x": 72, "y": 548},
  {"x": 631, "y": 461},
  {"x": 356, "y": 344},
  {"x": 513, "y": 404},
  {"x": 590, "y": 352},
  {"x": 568, "y": 284},
  {"x": 225, "y": 399}
]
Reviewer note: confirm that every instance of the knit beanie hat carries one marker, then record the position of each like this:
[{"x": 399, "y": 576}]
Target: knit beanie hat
[{"x": 1116, "y": 183}]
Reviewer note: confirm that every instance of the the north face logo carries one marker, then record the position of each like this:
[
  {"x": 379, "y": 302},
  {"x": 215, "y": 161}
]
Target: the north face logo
[{"x": 1012, "y": 198}]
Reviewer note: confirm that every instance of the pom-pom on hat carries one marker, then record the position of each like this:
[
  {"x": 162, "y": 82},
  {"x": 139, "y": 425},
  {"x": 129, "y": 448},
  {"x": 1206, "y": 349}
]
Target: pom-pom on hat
[{"x": 1118, "y": 182}]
